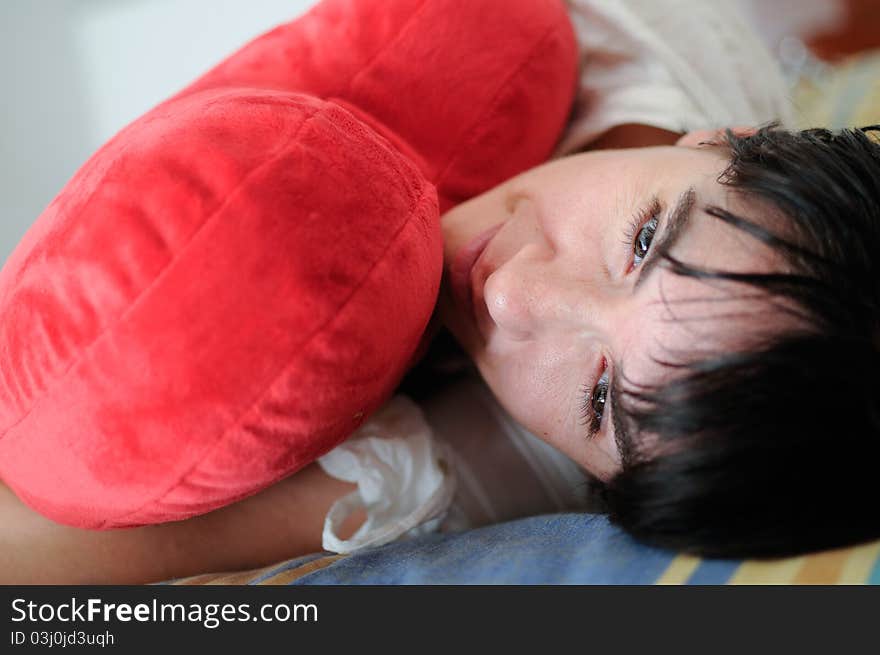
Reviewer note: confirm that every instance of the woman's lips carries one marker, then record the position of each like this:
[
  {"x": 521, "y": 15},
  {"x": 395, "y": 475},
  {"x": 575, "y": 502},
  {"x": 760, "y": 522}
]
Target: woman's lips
[{"x": 460, "y": 272}]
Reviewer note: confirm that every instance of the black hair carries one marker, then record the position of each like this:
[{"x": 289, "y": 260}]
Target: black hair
[{"x": 773, "y": 449}]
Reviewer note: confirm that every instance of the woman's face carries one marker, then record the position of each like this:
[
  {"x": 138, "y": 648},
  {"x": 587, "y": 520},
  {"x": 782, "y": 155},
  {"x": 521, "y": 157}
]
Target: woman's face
[{"x": 552, "y": 286}]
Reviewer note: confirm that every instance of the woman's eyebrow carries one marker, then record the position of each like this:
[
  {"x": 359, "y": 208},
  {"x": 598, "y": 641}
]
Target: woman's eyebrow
[
  {"x": 676, "y": 224},
  {"x": 622, "y": 435}
]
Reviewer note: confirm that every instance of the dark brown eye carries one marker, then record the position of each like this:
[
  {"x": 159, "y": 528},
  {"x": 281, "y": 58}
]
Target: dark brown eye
[
  {"x": 643, "y": 241},
  {"x": 600, "y": 393}
]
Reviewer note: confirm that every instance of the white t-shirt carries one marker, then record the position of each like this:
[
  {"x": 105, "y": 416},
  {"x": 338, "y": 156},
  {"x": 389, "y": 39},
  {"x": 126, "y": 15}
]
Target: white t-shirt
[
  {"x": 460, "y": 461},
  {"x": 679, "y": 65},
  {"x": 456, "y": 462}
]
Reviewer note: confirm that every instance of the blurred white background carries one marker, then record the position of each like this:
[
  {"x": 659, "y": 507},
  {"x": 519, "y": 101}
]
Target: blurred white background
[{"x": 74, "y": 72}]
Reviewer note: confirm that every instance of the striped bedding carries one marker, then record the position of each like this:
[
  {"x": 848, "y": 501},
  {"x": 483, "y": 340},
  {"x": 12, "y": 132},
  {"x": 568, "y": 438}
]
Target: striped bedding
[{"x": 551, "y": 549}]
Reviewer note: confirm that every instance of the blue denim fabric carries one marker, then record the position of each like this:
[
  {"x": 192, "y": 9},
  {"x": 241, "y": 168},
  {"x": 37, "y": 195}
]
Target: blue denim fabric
[{"x": 551, "y": 549}]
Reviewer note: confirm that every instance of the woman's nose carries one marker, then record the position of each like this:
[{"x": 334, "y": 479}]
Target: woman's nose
[{"x": 528, "y": 296}]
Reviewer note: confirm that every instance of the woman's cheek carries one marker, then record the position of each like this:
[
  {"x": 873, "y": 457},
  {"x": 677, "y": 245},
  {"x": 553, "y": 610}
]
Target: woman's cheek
[{"x": 602, "y": 458}]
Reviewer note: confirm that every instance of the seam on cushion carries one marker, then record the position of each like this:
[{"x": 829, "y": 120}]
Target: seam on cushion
[
  {"x": 425, "y": 194},
  {"x": 282, "y": 150},
  {"x": 493, "y": 102}
]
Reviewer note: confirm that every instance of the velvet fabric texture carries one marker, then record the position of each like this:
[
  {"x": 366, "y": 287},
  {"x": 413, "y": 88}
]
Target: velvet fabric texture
[{"x": 234, "y": 282}]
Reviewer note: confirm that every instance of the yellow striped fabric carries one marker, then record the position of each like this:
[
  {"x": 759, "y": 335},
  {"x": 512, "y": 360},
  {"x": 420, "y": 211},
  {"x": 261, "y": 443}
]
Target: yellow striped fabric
[
  {"x": 680, "y": 570},
  {"x": 283, "y": 574},
  {"x": 849, "y": 566},
  {"x": 855, "y": 565}
]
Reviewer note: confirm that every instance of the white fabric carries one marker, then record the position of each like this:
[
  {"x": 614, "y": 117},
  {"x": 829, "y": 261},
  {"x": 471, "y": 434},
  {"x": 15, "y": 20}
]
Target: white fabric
[
  {"x": 679, "y": 65},
  {"x": 459, "y": 463},
  {"x": 403, "y": 476}
]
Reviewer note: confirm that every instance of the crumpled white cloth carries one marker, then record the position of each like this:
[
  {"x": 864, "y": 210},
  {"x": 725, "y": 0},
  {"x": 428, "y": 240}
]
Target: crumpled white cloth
[{"x": 405, "y": 478}]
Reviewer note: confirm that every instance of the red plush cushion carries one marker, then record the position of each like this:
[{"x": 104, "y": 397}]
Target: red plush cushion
[
  {"x": 475, "y": 91},
  {"x": 204, "y": 308},
  {"x": 236, "y": 280}
]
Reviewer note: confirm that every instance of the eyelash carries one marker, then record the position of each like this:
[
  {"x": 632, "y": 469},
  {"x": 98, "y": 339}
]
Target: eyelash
[
  {"x": 589, "y": 416},
  {"x": 648, "y": 218}
]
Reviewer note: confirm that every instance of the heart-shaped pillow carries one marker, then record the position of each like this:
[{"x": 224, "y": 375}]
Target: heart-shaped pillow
[{"x": 235, "y": 281}]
